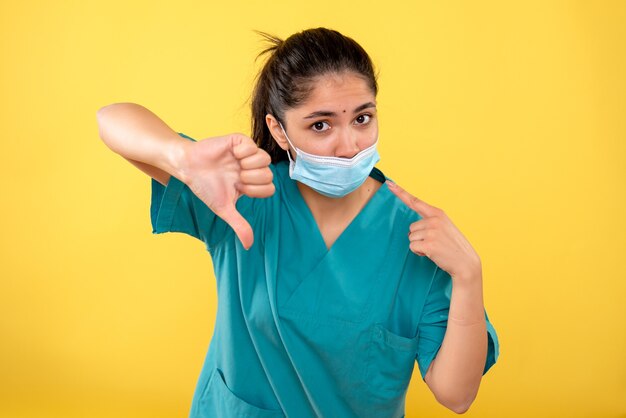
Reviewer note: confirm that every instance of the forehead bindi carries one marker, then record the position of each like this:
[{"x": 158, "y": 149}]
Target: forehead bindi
[{"x": 337, "y": 94}]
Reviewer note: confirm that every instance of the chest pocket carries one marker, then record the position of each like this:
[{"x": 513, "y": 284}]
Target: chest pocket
[
  {"x": 390, "y": 363},
  {"x": 340, "y": 308},
  {"x": 366, "y": 367},
  {"x": 374, "y": 363}
]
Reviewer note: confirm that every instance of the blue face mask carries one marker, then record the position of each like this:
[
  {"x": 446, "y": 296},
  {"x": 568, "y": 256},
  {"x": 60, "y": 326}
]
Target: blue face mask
[{"x": 332, "y": 176}]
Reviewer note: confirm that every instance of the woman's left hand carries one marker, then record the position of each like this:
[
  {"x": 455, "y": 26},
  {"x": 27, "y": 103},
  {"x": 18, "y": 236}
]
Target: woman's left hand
[{"x": 436, "y": 237}]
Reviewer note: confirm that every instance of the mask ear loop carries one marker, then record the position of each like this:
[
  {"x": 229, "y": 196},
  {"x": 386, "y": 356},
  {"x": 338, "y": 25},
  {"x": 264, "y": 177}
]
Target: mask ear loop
[{"x": 288, "y": 153}]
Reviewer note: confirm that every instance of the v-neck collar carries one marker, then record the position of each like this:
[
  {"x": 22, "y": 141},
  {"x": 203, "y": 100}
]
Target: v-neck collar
[{"x": 380, "y": 195}]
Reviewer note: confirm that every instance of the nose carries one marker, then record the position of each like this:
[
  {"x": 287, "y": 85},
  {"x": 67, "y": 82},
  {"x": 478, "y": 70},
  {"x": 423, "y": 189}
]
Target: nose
[{"x": 347, "y": 145}]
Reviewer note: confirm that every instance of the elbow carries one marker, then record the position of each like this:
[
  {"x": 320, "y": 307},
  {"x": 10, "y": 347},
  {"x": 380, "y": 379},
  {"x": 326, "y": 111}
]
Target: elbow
[
  {"x": 105, "y": 118},
  {"x": 101, "y": 121},
  {"x": 113, "y": 105},
  {"x": 108, "y": 109},
  {"x": 455, "y": 403},
  {"x": 101, "y": 114},
  {"x": 104, "y": 109},
  {"x": 460, "y": 407},
  {"x": 455, "y": 400},
  {"x": 107, "y": 131}
]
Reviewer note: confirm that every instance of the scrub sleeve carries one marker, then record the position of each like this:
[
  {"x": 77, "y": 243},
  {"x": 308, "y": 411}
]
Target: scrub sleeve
[
  {"x": 433, "y": 324},
  {"x": 175, "y": 208},
  {"x": 286, "y": 343}
]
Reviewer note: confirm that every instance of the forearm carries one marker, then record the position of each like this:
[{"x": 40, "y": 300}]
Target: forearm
[
  {"x": 137, "y": 134},
  {"x": 458, "y": 368}
]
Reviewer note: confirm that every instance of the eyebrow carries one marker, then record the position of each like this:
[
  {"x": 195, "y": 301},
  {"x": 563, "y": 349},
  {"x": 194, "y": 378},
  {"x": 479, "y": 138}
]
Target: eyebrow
[{"x": 329, "y": 113}]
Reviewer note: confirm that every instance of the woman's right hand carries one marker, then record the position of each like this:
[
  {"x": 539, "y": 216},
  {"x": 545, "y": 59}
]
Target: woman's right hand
[{"x": 220, "y": 169}]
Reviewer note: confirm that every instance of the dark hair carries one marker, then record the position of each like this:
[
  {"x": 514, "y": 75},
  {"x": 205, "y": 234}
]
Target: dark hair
[{"x": 286, "y": 79}]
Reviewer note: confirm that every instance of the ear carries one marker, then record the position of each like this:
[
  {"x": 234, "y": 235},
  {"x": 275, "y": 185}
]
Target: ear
[{"x": 277, "y": 133}]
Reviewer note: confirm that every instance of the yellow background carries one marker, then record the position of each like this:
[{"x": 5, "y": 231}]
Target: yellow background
[{"x": 511, "y": 116}]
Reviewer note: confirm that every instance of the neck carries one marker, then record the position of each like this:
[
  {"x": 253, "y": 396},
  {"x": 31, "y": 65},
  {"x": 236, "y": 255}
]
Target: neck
[{"x": 329, "y": 208}]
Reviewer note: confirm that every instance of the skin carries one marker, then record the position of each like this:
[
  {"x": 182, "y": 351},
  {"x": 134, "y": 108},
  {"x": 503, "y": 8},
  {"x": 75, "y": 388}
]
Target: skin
[
  {"x": 455, "y": 375},
  {"x": 218, "y": 170},
  {"x": 221, "y": 169},
  {"x": 342, "y": 135}
]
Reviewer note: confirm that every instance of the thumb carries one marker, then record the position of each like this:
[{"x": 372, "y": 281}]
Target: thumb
[{"x": 242, "y": 228}]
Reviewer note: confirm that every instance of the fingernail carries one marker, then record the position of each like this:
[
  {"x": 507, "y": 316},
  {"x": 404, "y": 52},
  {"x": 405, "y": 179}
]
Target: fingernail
[{"x": 391, "y": 183}]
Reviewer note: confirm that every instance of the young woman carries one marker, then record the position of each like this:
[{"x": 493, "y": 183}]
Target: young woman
[{"x": 332, "y": 281}]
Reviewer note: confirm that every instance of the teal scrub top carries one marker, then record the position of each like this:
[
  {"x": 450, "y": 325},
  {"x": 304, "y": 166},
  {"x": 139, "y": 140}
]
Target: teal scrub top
[{"x": 302, "y": 331}]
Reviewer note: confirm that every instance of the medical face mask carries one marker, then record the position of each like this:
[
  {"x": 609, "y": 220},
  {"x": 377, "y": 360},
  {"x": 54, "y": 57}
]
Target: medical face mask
[{"x": 332, "y": 176}]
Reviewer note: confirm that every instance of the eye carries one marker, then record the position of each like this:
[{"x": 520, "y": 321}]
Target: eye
[
  {"x": 364, "y": 115},
  {"x": 319, "y": 126}
]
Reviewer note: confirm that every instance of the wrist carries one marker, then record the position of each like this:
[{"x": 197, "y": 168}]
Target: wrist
[
  {"x": 471, "y": 275},
  {"x": 176, "y": 159}
]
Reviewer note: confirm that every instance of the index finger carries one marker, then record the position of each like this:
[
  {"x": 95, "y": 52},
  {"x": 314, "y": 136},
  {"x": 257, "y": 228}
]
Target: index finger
[
  {"x": 411, "y": 201},
  {"x": 244, "y": 149}
]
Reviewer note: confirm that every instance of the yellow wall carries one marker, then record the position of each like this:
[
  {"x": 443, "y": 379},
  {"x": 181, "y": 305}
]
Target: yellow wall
[{"x": 509, "y": 116}]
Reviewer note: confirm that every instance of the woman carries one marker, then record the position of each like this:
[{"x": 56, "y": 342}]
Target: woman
[{"x": 331, "y": 280}]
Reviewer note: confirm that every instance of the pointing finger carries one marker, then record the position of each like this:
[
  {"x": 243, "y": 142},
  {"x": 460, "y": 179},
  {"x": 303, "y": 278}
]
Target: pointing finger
[{"x": 411, "y": 201}]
